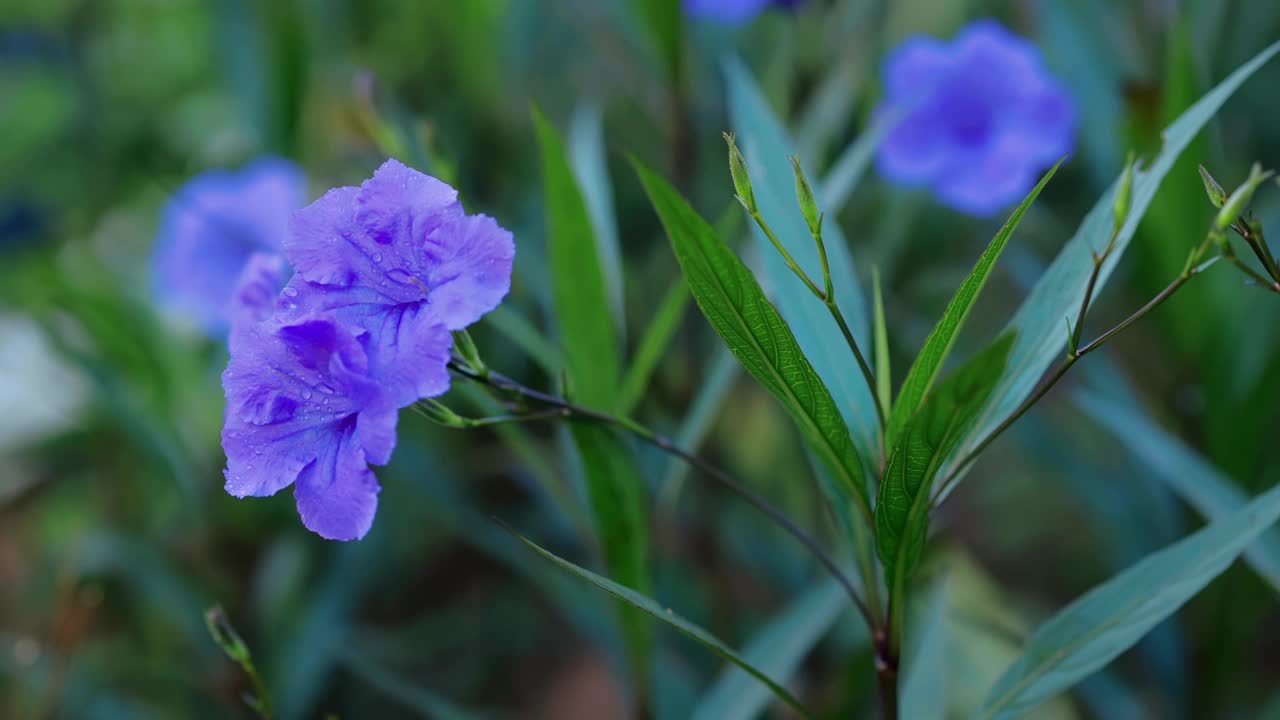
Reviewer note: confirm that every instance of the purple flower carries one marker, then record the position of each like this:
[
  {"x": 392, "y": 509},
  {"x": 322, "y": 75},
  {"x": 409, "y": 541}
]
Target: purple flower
[
  {"x": 979, "y": 117},
  {"x": 319, "y": 371},
  {"x": 303, "y": 408},
  {"x": 211, "y": 226},
  {"x": 733, "y": 12},
  {"x": 398, "y": 258}
]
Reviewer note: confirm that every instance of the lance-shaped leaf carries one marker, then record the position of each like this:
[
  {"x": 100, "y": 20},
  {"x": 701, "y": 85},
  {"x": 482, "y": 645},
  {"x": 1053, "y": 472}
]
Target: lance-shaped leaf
[
  {"x": 579, "y": 294},
  {"x": 1039, "y": 320},
  {"x": 648, "y": 605},
  {"x": 902, "y": 510},
  {"x": 729, "y": 296},
  {"x": 924, "y": 370},
  {"x": 1112, "y": 617}
]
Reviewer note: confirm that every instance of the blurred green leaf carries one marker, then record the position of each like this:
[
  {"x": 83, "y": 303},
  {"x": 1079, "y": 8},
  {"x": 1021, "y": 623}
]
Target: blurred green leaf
[
  {"x": 902, "y": 508},
  {"x": 923, "y": 692},
  {"x": 1039, "y": 321},
  {"x": 766, "y": 146},
  {"x": 924, "y": 370},
  {"x": 712, "y": 391},
  {"x": 618, "y": 503},
  {"x": 648, "y": 605},
  {"x": 587, "y": 155},
  {"x": 579, "y": 293},
  {"x": 1184, "y": 471},
  {"x": 736, "y": 307},
  {"x": 778, "y": 649},
  {"x": 653, "y": 345},
  {"x": 663, "y": 21},
  {"x": 884, "y": 368},
  {"x": 1109, "y": 619},
  {"x": 428, "y": 704}
]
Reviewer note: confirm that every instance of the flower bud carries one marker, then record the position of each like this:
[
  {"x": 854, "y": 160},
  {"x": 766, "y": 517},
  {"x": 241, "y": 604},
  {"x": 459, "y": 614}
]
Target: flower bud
[
  {"x": 466, "y": 349},
  {"x": 1240, "y": 199},
  {"x": 1216, "y": 194},
  {"x": 440, "y": 414},
  {"x": 808, "y": 204},
  {"x": 741, "y": 178}
]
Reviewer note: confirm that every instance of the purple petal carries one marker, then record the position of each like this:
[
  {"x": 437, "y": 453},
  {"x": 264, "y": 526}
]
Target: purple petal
[
  {"x": 913, "y": 68},
  {"x": 337, "y": 494},
  {"x": 255, "y": 295},
  {"x": 729, "y": 12},
  {"x": 470, "y": 269}
]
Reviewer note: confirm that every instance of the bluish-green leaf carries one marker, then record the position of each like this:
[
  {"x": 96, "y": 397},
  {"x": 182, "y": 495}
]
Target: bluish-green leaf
[
  {"x": 587, "y": 155},
  {"x": 617, "y": 498},
  {"x": 1041, "y": 337},
  {"x": 924, "y": 370},
  {"x": 1184, "y": 471},
  {"x": 647, "y": 605},
  {"x": 579, "y": 294},
  {"x": 777, "y": 649},
  {"x": 765, "y": 144},
  {"x": 1109, "y": 619},
  {"x": 736, "y": 307},
  {"x": 902, "y": 509},
  {"x": 923, "y": 691}
]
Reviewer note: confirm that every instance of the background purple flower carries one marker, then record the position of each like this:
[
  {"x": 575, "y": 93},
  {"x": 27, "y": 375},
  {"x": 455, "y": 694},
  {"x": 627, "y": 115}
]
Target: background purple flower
[
  {"x": 980, "y": 117},
  {"x": 211, "y": 226},
  {"x": 400, "y": 259},
  {"x": 303, "y": 409},
  {"x": 732, "y": 11}
]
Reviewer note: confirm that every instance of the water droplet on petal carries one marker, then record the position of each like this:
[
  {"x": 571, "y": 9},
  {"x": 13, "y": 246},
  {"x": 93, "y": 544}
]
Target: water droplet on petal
[
  {"x": 377, "y": 257},
  {"x": 306, "y": 394},
  {"x": 291, "y": 292}
]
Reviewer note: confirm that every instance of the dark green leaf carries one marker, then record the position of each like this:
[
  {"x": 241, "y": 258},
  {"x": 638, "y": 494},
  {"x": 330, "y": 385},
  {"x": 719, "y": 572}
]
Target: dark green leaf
[
  {"x": 648, "y": 605},
  {"x": 1039, "y": 321},
  {"x": 1112, "y": 617},
  {"x": 618, "y": 502},
  {"x": 736, "y": 307},
  {"x": 902, "y": 508},
  {"x": 924, "y": 370},
  {"x": 579, "y": 294},
  {"x": 653, "y": 345},
  {"x": 766, "y": 145}
]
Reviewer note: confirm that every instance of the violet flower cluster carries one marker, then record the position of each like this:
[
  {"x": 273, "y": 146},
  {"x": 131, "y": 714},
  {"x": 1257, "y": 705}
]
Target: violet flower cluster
[
  {"x": 977, "y": 119},
  {"x": 320, "y": 368}
]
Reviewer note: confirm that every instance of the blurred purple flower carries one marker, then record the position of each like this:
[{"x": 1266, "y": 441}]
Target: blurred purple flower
[
  {"x": 211, "y": 226},
  {"x": 304, "y": 409},
  {"x": 398, "y": 258},
  {"x": 979, "y": 117},
  {"x": 733, "y": 12}
]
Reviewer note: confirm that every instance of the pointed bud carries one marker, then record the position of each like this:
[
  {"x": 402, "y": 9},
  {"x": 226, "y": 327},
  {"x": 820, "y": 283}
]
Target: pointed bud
[
  {"x": 1124, "y": 195},
  {"x": 1240, "y": 199},
  {"x": 1216, "y": 194},
  {"x": 741, "y": 178},
  {"x": 808, "y": 204},
  {"x": 465, "y": 348},
  {"x": 440, "y": 414}
]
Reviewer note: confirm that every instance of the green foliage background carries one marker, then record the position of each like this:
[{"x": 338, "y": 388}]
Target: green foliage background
[{"x": 115, "y": 534}]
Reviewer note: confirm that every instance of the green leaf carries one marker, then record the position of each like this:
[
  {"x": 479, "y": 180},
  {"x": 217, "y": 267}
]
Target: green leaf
[
  {"x": 766, "y": 145},
  {"x": 777, "y": 649},
  {"x": 653, "y": 346},
  {"x": 579, "y": 294},
  {"x": 587, "y": 155},
  {"x": 1192, "y": 478},
  {"x": 663, "y": 21},
  {"x": 714, "y": 388},
  {"x": 924, "y": 370},
  {"x": 616, "y": 492},
  {"x": 902, "y": 508},
  {"x": 1039, "y": 321},
  {"x": 884, "y": 370},
  {"x": 736, "y": 307},
  {"x": 1112, "y": 617},
  {"x": 647, "y": 605},
  {"x": 923, "y": 693}
]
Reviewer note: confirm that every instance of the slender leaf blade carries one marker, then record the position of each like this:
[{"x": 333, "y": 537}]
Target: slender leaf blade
[
  {"x": 647, "y": 605},
  {"x": 616, "y": 493},
  {"x": 587, "y": 155},
  {"x": 653, "y": 345},
  {"x": 1184, "y": 471},
  {"x": 579, "y": 293},
  {"x": 923, "y": 694},
  {"x": 884, "y": 371},
  {"x": 766, "y": 145},
  {"x": 1039, "y": 321},
  {"x": 777, "y": 649},
  {"x": 1112, "y": 617},
  {"x": 924, "y": 370},
  {"x": 734, "y": 304},
  {"x": 902, "y": 508}
]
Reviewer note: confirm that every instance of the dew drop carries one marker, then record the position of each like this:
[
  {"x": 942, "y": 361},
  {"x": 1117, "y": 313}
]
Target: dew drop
[
  {"x": 306, "y": 394},
  {"x": 291, "y": 292},
  {"x": 377, "y": 257}
]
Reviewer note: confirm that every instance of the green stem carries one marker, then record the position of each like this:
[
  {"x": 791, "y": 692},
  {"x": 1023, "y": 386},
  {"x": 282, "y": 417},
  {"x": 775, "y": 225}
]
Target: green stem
[{"x": 565, "y": 408}]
